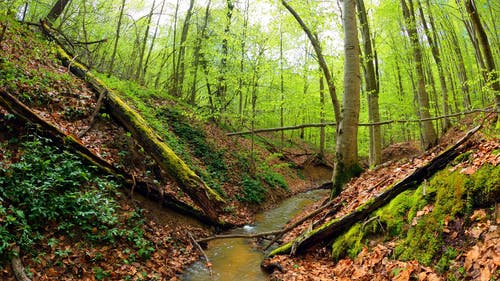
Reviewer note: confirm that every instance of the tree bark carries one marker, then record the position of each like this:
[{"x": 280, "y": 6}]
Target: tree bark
[
  {"x": 432, "y": 39},
  {"x": 371, "y": 87},
  {"x": 117, "y": 37},
  {"x": 429, "y": 138},
  {"x": 142, "y": 50},
  {"x": 491, "y": 75},
  {"x": 182, "y": 50},
  {"x": 57, "y": 10},
  {"x": 346, "y": 150},
  {"x": 196, "y": 55},
  {"x": 329, "y": 231}
]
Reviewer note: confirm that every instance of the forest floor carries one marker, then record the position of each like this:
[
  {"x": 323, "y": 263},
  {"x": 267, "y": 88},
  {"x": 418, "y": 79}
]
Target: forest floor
[
  {"x": 476, "y": 237},
  {"x": 31, "y": 72}
]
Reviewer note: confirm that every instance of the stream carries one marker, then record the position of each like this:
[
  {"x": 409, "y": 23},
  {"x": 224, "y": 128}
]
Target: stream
[{"x": 236, "y": 258}]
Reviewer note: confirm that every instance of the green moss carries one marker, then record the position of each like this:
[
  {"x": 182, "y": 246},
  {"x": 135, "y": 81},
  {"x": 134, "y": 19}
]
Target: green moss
[
  {"x": 446, "y": 196},
  {"x": 349, "y": 243}
]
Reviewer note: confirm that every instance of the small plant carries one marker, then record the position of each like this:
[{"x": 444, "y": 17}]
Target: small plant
[{"x": 253, "y": 191}]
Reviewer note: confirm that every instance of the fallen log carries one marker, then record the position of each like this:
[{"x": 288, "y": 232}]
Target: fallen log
[
  {"x": 203, "y": 196},
  {"x": 327, "y": 232},
  {"x": 21, "y": 111}
]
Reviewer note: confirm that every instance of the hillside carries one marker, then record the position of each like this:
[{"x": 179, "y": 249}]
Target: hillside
[{"x": 132, "y": 243}]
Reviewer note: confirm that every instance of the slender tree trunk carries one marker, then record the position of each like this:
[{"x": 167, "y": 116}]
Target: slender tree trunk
[
  {"x": 282, "y": 89},
  {"x": 57, "y": 10},
  {"x": 371, "y": 87},
  {"x": 321, "y": 59},
  {"x": 221, "y": 90},
  {"x": 460, "y": 63},
  {"x": 182, "y": 50},
  {"x": 117, "y": 37},
  {"x": 322, "y": 137},
  {"x": 429, "y": 137},
  {"x": 491, "y": 75},
  {"x": 153, "y": 40},
  {"x": 142, "y": 48},
  {"x": 175, "y": 75},
  {"x": 242, "y": 62},
  {"x": 346, "y": 151},
  {"x": 196, "y": 55},
  {"x": 432, "y": 39}
]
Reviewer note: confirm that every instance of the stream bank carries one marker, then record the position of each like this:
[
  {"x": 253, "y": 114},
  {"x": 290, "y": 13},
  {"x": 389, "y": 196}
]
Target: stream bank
[{"x": 238, "y": 258}]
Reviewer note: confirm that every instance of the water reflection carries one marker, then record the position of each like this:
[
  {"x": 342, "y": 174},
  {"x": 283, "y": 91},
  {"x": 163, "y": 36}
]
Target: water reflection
[{"x": 236, "y": 259}]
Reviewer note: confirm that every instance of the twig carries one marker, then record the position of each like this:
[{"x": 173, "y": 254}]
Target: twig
[
  {"x": 208, "y": 264},
  {"x": 94, "y": 114}
]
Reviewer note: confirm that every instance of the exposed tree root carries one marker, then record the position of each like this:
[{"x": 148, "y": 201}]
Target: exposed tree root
[{"x": 17, "y": 266}]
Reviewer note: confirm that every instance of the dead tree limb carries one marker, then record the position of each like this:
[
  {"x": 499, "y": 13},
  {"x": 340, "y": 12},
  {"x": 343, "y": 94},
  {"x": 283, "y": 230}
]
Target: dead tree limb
[
  {"x": 319, "y": 125},
  {"x": 208, "y": 264},
  {"x": 332, "y": 229},
  {"x": 94, "y": 115}
]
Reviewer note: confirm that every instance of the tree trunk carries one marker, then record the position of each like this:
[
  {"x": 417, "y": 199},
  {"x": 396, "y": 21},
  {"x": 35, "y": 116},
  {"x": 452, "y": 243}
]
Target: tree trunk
[
  {"x": 142, "y": 49},
  {"x": 321, "y": 59},
  {"x": 62, "y": 140},
  {"x": 429, "y": 137},
  {"x": 196, "y": 55},
  {"x": 117, "y": 37},
  {"x": 371, "y": 87},
  {"x": 221, "y": 89},
  {"x": 322, "y": 137},
  {"x": 492, "y": 76},
  {"x": 436, "y": 54},
  {"x": 153, "y": 40},
  {"x": 182, "y": 50},
  {"x": 207, "y": 199},
  {"x": 346, "y": 150},
  {"x": 328, "y": 232},
  {"x": 57, "y": 10}
]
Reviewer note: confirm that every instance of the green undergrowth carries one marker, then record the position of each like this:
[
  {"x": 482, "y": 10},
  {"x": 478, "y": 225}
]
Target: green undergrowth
[
  {"x": 176, "y": 125},
  {"x": 417, "y": 218},
  {"x": 45, "y": 190}
]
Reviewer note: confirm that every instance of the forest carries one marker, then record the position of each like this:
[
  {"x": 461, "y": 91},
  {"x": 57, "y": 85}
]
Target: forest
[{"x": 254, "y": 140}]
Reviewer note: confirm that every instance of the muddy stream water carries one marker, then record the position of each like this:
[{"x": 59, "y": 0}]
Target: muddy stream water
[{"x": 237, "y": 259}]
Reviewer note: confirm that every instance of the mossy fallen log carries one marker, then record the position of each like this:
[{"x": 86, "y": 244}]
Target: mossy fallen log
[
  {"x": 59, "y": 138},
  {"x": 205, "y": 197},
  {"x": 328, "y": 232}
]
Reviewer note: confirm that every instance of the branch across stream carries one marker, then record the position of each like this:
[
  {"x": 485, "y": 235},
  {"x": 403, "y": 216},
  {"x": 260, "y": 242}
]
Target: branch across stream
[{"x": 236, "y": 258}]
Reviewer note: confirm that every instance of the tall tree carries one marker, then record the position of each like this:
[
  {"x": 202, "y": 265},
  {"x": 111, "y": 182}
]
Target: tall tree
[
  {"x": 319, "y": 56},
  {"x": 117, "y": 37},
  {"x": 492, "y": 75},
  {"x": 57, "y": 10},
  {"x": 432, "y": 39},
  {"x": 346, "y": 150},
  {"x": 429, "y": 137},
  {"x": 372, "y": 88},
  {"x": 182, "y": 50},
  {"x": 142, "y": 50},
  {"x": 197, "y": 54}
]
